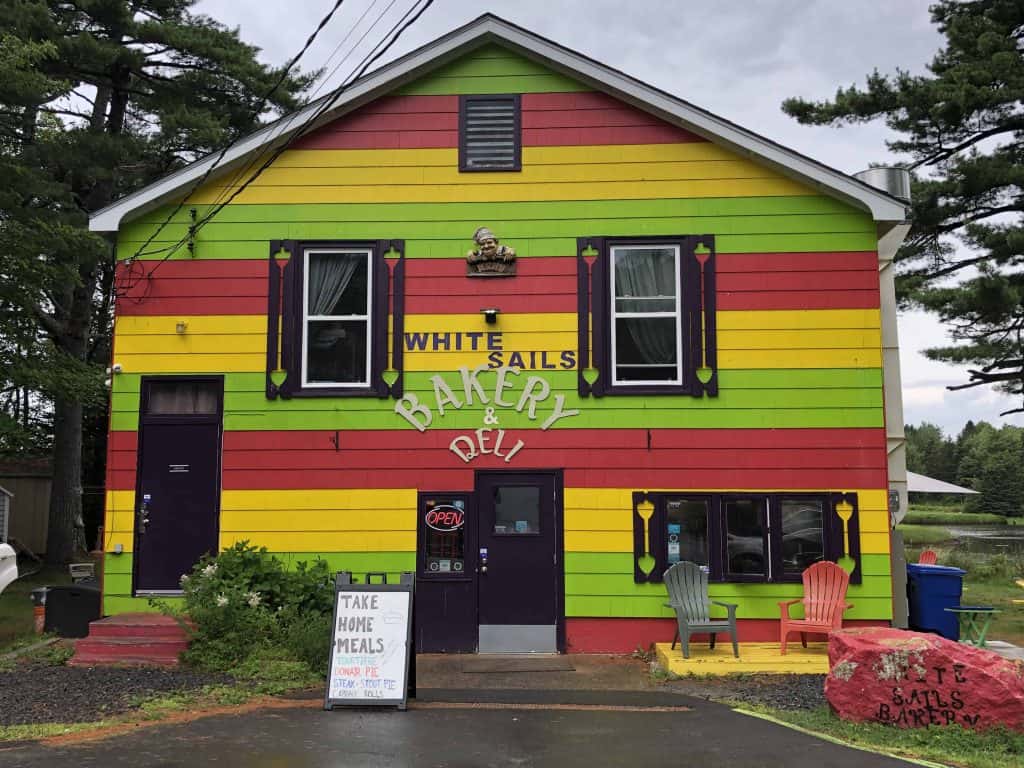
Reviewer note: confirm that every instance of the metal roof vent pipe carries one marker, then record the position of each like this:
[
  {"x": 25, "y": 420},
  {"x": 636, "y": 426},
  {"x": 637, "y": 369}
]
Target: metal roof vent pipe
[{"x": 891, "y": 179}]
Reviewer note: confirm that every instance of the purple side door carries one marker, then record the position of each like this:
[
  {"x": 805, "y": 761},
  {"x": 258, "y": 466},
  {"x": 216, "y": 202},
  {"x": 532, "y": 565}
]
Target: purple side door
[{"x": 178, "y": 491}]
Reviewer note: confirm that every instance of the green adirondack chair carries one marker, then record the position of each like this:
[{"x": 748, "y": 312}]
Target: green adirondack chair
[{"x": 687, "y": 586}]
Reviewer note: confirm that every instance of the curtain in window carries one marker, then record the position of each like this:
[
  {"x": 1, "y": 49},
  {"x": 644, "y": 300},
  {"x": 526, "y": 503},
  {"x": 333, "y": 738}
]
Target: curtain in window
[
  {"x": 329, "y": 276},
  {"x": 182, "y": 398},
  {"x": 647, "y": 274}
]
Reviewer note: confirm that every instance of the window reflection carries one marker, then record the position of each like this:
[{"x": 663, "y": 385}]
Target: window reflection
[
  {"x": 745, "y": 550},
  {"x": 802, "y": 534},
  {"x": 686, "y": 523}
]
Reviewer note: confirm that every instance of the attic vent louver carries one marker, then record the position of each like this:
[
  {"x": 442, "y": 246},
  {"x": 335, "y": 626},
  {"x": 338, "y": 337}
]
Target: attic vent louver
[{"x": 489, "y": 133}]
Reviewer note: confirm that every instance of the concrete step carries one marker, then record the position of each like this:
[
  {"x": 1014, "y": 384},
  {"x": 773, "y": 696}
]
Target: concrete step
[
  {"x": 96, "y": 651},
  {"x": 137, "y": 625},
  {"x": 131, "y": 638}
]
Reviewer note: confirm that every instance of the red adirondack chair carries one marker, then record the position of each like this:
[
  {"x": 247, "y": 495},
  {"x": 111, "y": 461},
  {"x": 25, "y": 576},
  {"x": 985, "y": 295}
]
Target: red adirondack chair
[
  {"x": 927, "y": 557},
  {"x": 824, "y": 601}
]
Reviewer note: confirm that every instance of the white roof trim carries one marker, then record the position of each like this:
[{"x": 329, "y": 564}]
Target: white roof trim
[{"x": 490, "y": 28}]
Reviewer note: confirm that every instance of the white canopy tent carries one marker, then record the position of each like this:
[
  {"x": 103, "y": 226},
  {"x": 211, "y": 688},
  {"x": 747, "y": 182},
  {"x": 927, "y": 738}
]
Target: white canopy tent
[{"x": 923, "y": 484}]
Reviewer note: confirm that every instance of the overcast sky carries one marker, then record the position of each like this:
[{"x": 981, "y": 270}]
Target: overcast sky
[{"x": 736, "y": 59}]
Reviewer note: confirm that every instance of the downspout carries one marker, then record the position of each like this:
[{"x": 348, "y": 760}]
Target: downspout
[{"x": 895, "y": 181}]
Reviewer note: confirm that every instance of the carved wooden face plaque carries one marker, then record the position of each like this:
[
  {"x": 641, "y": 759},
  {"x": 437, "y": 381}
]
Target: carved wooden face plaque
[{"x": 490, "y": 258}]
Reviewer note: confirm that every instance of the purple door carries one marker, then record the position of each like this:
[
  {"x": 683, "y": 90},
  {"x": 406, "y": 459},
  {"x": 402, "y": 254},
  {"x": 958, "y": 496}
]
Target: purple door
[
  {"x": 520, "y": 592},
  {"x": 178, "y": 490}
]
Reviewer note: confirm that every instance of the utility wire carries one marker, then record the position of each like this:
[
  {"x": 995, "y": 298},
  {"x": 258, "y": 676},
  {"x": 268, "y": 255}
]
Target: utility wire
[
  {"x": 408, "y": 19},
  {"x": 257, "y": 112},
  {"x": 268, "y": 144}
]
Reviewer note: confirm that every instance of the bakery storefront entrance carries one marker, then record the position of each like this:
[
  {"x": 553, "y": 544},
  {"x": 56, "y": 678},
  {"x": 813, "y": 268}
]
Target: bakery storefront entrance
[{"x": 490, "y": 566}]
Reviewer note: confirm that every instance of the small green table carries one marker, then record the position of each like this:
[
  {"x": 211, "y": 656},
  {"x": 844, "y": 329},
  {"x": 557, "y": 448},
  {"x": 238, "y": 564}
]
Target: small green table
[{"x": 974, "y": 622}]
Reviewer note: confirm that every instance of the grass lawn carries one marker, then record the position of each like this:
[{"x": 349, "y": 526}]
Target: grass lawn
[
  {"x": 16, "y": 620},
  {"x": 946, "y": 746}
]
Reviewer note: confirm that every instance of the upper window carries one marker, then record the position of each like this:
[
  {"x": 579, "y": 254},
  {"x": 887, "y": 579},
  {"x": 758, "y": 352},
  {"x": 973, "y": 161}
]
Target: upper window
[
  {"x": 646, "y": 315},
  {"x": 337, "y": 317},
  {"x": 327, "y": 321},
  {"x": 490, "y": 137},
  {"x": 651, "y": 305}
]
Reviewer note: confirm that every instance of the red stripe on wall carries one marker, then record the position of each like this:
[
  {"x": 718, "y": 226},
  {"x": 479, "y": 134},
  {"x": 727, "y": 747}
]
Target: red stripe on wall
[
  {"x": 543, "y": 284},
  {"x": 584, "y": 635},
  {"x": 459, "y": 479},
  {"x": 767, "y": 299},
  {"x": 549, "y": 119},
  {"x": 839, "y": 261},
  {"x": 733, "y": 458}
]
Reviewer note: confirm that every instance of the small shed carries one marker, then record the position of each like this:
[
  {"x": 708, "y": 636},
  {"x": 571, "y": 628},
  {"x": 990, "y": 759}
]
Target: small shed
[
  {"x": 5, "y": 512},
  {"x": 28, "y": 483}
]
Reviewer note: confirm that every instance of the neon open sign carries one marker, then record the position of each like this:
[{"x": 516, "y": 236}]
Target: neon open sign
[{"x": 445, "y": 518}]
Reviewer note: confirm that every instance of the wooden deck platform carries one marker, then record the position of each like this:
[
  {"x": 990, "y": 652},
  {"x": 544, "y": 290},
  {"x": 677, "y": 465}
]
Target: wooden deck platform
[{"x": 761, "y": 658}]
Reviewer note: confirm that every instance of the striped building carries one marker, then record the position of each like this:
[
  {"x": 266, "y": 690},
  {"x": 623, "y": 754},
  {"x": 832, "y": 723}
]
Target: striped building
[{"x": 681, "y": 348}]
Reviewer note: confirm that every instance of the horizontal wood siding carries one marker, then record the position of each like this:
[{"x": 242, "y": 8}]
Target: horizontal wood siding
[{"x": 798, "y": 336}]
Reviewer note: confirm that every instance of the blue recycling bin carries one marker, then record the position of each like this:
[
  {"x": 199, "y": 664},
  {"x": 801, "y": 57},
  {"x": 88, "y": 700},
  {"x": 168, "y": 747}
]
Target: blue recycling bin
[{"x": 931, "y": 589}]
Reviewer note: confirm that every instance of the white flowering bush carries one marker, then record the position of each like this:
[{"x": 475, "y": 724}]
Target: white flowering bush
[{"x": 244, "y": 601}]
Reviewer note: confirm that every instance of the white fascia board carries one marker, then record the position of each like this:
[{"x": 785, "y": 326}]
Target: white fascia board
[{"x": 492, "y": 29}]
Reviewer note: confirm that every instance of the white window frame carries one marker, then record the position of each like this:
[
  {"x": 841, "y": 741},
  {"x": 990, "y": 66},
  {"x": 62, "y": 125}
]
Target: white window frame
[
  {"x": 367, "y": 318},
  {"x": 614, "y": 315}
]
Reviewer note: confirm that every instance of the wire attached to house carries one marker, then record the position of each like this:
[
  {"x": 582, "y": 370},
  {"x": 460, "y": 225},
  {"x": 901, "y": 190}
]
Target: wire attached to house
[
  {"x": 394, "y": 33},
  {"x": 141, "y": 250},
  {"x": 408, "y": 19}
]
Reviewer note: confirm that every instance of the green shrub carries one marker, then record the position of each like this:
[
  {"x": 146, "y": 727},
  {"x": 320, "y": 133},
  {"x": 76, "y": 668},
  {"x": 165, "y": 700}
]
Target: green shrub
[{"x": 244, "y": 604}]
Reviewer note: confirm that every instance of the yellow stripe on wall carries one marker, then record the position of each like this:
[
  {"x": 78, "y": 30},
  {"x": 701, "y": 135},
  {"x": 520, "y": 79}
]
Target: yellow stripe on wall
[
  {"x": 693, "y": 152},
  {"x": 755, "y": 339},
  {"x": 468, "y": 191},
  {"x": 558, "y": 322},
  {"x": 364, "y": 520}
]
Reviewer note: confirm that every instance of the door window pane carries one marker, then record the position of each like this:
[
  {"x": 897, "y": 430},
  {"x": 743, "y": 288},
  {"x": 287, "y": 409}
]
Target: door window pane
[
  {"x": 744, "y": 523},
  {"x": 182, "y": 398},
  {"x": 444, "y": 523},
  {"x": 803, "y": 542},
  {"x": 516, "y": 509},
  {"x": 687, "y": 530}
]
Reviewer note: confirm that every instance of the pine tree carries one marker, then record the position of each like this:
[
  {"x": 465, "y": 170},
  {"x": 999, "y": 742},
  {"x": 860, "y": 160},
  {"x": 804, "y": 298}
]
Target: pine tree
[
  {"x": 962, "y": 126},
  {"x": 98, "y": 98}
]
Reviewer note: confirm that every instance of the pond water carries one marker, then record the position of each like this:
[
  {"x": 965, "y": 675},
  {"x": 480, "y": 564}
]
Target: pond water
[{"x": 990, "y": 539}]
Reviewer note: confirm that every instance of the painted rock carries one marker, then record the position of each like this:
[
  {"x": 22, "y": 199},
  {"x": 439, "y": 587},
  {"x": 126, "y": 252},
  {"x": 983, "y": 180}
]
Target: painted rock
[{"x": 914, "y": 680}]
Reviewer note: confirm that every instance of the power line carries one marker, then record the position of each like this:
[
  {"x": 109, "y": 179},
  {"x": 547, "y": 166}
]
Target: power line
[
  {"x": 257, "y": 155},
  {"x": 407, "y": 20},
  {"x": 259, "y": 110}
]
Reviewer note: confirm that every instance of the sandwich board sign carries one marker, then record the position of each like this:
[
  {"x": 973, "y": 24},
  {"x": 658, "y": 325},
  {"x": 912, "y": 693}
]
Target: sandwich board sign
[{"x": 371, "y": 644}]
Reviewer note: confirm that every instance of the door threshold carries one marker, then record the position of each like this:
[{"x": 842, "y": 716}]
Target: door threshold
[{"x": 158, "y": 593}]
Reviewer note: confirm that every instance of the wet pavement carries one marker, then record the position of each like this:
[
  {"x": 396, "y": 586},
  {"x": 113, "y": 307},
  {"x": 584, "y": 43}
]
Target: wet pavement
[{"x": 472, "y": 728}]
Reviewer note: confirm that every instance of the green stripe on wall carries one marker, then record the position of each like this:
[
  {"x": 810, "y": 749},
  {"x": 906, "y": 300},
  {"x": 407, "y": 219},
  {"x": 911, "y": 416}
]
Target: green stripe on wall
[
  {"x": 754, "y": 399},
  {"x": 529, "y": 247},
  {"x": 622, "y": 562},
  {"x": 751, "y": 608},
  {"x": 448, "y": 231},
  {"x": 501, "y": 214},
  {"x": 491, "y": 70}
]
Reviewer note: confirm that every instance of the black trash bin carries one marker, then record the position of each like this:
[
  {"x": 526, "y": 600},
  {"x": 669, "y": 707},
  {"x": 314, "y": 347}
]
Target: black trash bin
[
  {"x": 70, "y": 608},
  {"x": 930, "y": 590}
]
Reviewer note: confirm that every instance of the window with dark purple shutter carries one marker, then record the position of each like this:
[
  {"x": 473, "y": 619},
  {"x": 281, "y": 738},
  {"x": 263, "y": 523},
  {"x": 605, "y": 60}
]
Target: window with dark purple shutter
[
  {"x": 327, "y": 318},
  {"x": 490, "y": 133},
  {"x": 745, "y": 537},
  {"x": 651, "y": 304}
]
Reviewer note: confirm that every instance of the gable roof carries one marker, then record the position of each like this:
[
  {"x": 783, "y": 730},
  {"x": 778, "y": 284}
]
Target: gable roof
[{"x": 489, "y": 29}]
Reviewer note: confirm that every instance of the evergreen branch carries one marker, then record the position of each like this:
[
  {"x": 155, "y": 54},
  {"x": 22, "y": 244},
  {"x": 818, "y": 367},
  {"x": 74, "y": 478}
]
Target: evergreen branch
[{"x": 943, "y": 152}]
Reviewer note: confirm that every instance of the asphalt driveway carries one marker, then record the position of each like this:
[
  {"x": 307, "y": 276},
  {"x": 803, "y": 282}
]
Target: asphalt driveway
[{"x": 467, "y": 729}]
